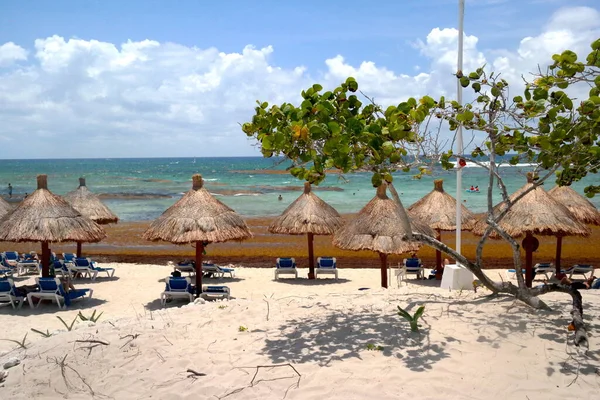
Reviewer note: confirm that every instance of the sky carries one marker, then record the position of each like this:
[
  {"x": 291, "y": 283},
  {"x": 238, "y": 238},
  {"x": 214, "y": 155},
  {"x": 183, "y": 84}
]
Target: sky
[{"x": 159, "y": 78}]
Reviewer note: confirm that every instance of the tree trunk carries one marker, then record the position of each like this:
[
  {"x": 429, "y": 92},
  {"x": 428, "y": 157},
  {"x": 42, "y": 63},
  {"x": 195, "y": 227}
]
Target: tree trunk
[
  {"x": 383, "y": 258},
  {"x": 199, "y": 251},
  {"x": 311, "y": 257}
]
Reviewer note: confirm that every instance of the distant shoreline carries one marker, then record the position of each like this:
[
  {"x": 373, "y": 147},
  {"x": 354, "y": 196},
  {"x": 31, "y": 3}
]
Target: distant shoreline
[{"x": 125, "y": 244}]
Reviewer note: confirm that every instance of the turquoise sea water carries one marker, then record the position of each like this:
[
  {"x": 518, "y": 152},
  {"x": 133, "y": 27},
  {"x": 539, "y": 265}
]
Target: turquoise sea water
[{"x": 141, "y": 189}]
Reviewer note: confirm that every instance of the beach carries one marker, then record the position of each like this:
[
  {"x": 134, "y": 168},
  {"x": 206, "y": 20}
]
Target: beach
[{"x": 297, "y": 339}]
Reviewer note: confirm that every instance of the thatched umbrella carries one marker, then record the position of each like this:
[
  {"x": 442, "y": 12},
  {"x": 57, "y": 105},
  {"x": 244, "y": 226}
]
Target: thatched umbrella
[
  {"x": 438, "y": 210},
  {"x": 89, "y": 205},
  {"x": 580, "y": 207},
  {"x": 536, "y": 213},
  {"x": 198, "y": 218},
  {"x": 45, "y": 217},
  {"x": 5, "y": 207},
  {"x": 310, "y": 215},
  {"x": 381, "y": 226}
]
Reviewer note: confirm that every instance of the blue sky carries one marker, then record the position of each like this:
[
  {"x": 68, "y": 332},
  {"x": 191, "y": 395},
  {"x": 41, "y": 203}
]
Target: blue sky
[{"x": 396, "y": 37}]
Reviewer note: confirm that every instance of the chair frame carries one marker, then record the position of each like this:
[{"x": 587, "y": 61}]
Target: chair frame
[
  {"x": 11, "y": 295},
  {"x": 326, "y": 270},
  {"x": 418, "y": 271},
  {"x": 581, "y": 269},
  {"x": 54, "y": 295},
  {"x": 285, "y": 270},
  {"x": 176, "y": 293},
  {"x": 215, "y": 292}
]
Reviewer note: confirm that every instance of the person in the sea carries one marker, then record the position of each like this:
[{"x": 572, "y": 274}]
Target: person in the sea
[
  {"x": 9, "y": 190},
  {"x": 472, "y": 188},
  {"x": 280, "y": 198},
  {"x": 477, "y": 188}
]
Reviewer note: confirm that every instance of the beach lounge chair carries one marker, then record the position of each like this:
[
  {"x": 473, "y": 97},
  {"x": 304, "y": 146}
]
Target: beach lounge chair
[
  {"x": 8, "y": 293},
  {"x": 285, "y": 266},
  {"x": 215, "y": 292},
  {"x": 11, "y": 258},
  {"x": 81, "y": 267},
  {"x": 217, "y": 271},
  {"x": 177, "y": 287},
  {"x": 52, "y": 289},
  {"x": 59, "y": 268},
  {"x": 189, "y": 267},
  {"x": 326, "y": 266},
  {"x": 5, "y": 268},
  {"x": 69, "y": 258},
  {"x": 93, "y": 266},
  {"x": 414, "y": 266},
  {"x": 580, "y": 269},
  {"x": 27, "y": 266},
  {"x": 544, "y": 269}
]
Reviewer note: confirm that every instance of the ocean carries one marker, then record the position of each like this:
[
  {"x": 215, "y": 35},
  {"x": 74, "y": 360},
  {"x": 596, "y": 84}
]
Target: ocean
[{"x": 141, "y": 189}]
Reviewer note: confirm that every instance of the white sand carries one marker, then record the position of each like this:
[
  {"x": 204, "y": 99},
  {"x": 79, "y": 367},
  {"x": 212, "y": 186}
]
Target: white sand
[{"x": 469, "y": 347}]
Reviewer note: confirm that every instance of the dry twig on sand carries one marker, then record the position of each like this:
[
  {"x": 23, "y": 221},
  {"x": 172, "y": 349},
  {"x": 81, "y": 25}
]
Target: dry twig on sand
[
  {"x": 254, "y": 381},
  {"x": 62, "y": 363}
]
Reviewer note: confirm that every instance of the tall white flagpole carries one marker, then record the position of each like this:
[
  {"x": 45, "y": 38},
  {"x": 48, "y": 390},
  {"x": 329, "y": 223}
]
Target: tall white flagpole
[{"x": 459, "y": 137}]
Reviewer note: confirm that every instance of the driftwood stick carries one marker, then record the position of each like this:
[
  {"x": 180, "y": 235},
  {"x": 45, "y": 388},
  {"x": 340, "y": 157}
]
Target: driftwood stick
[
  {"x": 192, "y": 373},
  {"x": 93, "y": 341}
]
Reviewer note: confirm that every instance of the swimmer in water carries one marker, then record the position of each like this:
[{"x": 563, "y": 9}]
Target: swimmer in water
[{"x": 280, "y": 198}]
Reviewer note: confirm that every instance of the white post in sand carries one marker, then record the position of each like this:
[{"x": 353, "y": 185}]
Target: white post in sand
[{"x": 459, "y": 137}]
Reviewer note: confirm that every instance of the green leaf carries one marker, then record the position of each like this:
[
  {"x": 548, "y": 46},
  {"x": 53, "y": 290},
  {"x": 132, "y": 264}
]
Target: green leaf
[
  {"x": 334, "y": 127},
  {"x": 495, "y": 91},
  {"x": 476, "y": 86},
  {"x": 464, "y": 81},
  {"x": 317, "y": 88},
  {"x": 376, "y": 180}
]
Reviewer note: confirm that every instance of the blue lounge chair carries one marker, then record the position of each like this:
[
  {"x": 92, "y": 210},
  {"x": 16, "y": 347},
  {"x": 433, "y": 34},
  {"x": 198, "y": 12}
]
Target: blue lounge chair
[
  {"x": 52, "y": 289},
  {"x": 186, "y": 266},
  {"x": 28, "y": 266},
  {"x": 413, "y": 266},
  {"x": 92, "y": 268},
  {"x": 8, "y": 292},
  {"x": 544, "y": 269},
  {"x": 284, "y": 266},
  {"x": 326, "y": 265},
  {"x": 11, "y": 258},
  {"x": 217, "y": 270},
  {"x": 5, "y": 268},
  {"x": 215, "y": 292},
  {"x": 177, "y": 287},
  {"x": 580, "y": 269}
]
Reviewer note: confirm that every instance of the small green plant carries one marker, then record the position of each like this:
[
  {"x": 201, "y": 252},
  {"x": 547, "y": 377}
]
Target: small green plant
[
  {"x": 414, "y": 319},
  {"x": 373, "y": 347},
  {"x": 92, "y": 318},
  {"x": 44, "y": 334},
  {"x": 69, "y": 327},
  {"x": 242, "y": 328},
  {"x": 222, "y": 306},
  {"x": 21, "y": 343}
]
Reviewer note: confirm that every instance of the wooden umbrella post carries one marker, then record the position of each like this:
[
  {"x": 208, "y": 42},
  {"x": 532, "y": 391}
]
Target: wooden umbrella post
[
  {"x": 78, "y": 249},
  {"x": 311, "y": 257},
  {"x": 45, "y": 260},
  {"x": 199, "y": 251},
  {"x": 558, "y": 253},
  {"x": 383, "y": 258}
]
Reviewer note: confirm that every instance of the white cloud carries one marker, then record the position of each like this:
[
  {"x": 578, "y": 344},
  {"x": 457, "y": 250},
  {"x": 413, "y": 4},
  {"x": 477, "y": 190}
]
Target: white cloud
[
  {"x": 85, "y": 98},
  {"x": 10, "y": 52}
]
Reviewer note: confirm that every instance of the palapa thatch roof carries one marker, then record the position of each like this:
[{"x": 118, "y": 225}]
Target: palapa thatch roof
[
  {"x": 307, "y": 214},
  {"x": 378, "y": 227},
  {"x": 581, "y": 208},
  {"x": 46, "y": 217},
  {"x": 438, "y": 210},
  {"x": 5, "y": 207},
  {"x": 198, "y": 217},
  {"x": 89, "y": 205},
  {"x": 536, "y": 213}
]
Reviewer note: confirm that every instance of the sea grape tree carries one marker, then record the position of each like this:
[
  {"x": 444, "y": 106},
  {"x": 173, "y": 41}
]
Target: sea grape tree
[{"x": 547, "y": 125}]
